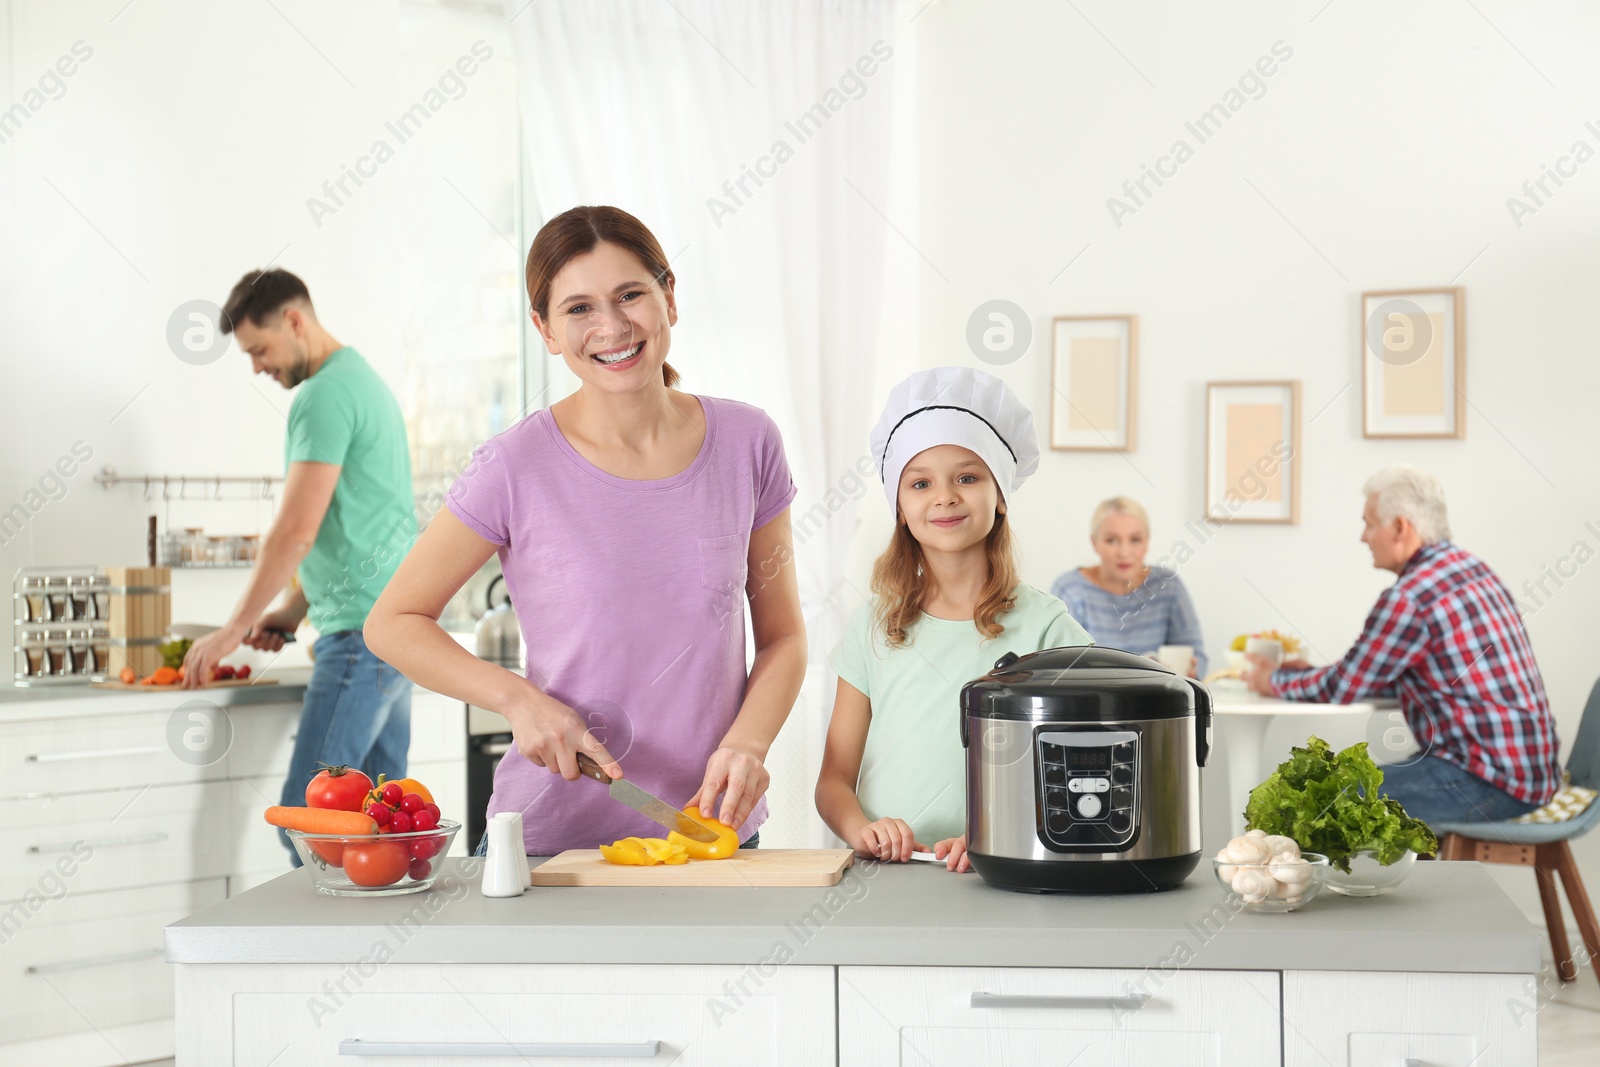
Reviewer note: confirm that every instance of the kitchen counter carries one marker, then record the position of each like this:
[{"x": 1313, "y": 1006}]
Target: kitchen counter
[
  {"x": 20, "y": 703},
  {"x": 1446, "y": 917}
]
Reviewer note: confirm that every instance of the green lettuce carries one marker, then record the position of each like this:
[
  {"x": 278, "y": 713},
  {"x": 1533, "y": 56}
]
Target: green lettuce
[{"x": 1333, "y": 804}]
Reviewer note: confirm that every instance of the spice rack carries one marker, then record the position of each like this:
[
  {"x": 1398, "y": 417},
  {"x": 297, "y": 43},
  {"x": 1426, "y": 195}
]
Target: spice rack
[
  {"x": 60, "y": 625},
  {"x": 190, "y": 546}
]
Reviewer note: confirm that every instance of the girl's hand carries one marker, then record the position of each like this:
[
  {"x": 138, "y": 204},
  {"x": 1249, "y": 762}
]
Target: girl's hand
[
  {"x": 889, "y": 840},
  {"x": 744, "y": 778},
  {"x": 953, "y": 850},
  {"x": 550, "y": 735}
]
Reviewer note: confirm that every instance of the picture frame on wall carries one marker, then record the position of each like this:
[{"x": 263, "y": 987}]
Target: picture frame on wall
[
  {"x": 1253, "y": 452},
  {"x": 1094, "y": 376},
  {"x": 1414, "y": 363}
]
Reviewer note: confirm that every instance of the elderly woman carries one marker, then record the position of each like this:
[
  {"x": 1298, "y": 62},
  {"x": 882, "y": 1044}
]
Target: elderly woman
[{"x": 1122, "y": 602}]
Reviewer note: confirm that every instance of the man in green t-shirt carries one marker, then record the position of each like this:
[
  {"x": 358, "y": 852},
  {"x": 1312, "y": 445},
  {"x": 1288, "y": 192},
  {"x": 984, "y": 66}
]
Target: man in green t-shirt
[{"x": 346, "y": 522}]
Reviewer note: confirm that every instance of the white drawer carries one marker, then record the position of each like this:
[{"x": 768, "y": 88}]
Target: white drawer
[
  {"x": 103, "y": 752},
  {"x": 1383, "y": 1019},
  {"x": 444, "y": 1016},
  {"x": 959, "y": 1016},
  {"x": 114, "y": 839},
  {"x": 263, "y": 740},
  {"x": 91, "y": 961}
]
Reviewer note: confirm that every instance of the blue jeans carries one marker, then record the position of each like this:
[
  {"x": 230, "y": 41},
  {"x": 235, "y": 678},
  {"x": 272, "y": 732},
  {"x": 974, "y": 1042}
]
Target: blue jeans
[
  {"x": 357, "y": 712},
  {"x": 753, "y": 841},
  {"x": 1438, "y": 791}
]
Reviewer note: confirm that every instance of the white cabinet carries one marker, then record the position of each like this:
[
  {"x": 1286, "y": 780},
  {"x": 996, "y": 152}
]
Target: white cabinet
[
  {"x": 959, "y": 1016},
  {"x": 107, "y": 835},
  {"x": 1382, "y": 1019},
  {"x": 444, "y": 1016}
]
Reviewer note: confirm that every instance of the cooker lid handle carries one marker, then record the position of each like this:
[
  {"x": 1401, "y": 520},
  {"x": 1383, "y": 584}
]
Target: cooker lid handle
[{"x": 1202, "y": 722}]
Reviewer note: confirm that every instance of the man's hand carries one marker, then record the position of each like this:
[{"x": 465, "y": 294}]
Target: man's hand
[
  {"x": 1257, "y": 673},
  {"x": 205, "y": 654},
  {"x": 269, "y": 631}
]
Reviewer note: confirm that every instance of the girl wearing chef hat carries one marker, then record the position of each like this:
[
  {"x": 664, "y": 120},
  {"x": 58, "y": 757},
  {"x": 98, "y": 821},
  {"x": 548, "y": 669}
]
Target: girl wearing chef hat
[{"x": 953, "y": 446}]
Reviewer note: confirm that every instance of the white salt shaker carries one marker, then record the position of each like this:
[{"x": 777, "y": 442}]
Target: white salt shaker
[{"x": 505, "y": 867}]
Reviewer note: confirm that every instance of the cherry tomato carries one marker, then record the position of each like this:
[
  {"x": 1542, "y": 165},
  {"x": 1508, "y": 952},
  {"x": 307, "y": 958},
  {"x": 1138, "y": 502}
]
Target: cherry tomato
[
  {"x": 379, "y": 814},
  {"x": 425, "y": 848},
  {"x": 378, "y": 863},
  {"x": 400, "y": 823},
  {"x": 340, "y": 788},
  {"x": 411, "y": 803},
  {"x": 419, "y": 869},
  {"x": 424, "y": 820},
  {"x": 430, "y": 806}
]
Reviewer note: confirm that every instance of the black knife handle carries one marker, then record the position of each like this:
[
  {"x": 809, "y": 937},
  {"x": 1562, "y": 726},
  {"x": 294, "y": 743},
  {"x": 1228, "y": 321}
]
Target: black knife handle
[{"x": 590, "y": 769}]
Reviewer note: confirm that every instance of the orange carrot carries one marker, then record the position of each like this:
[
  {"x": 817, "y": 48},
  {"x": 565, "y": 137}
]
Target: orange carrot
[{"x": 322, "y": 820}]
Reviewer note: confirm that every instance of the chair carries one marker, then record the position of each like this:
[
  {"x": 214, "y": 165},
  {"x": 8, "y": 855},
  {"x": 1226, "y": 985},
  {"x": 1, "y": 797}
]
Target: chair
[{"x": 1544, "y": 847}]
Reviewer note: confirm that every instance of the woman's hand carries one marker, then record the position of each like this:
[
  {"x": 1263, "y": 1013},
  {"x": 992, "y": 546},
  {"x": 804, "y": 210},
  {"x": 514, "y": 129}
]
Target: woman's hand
[
  {"x": 741, "y": 775},
  {"x": 953, "y": 850},
  {"x": 550, "y": 735},
  {"x": 889, "y": 840}
]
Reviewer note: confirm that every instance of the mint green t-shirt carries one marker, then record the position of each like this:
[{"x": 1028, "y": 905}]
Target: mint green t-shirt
[
  {"x": 346, "y": 416},
  {"x": 914, "y": 767}
]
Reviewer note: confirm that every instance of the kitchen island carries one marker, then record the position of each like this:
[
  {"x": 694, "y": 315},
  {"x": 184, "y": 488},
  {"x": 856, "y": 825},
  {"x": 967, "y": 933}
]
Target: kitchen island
[{"x": 897, "y": 964}]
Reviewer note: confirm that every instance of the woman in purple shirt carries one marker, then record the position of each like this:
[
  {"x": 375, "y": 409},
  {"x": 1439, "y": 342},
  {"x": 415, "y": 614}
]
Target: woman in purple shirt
[{"x": 632, "y": 522}]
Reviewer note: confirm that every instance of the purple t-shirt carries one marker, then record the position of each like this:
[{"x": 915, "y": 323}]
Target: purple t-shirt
[{"x": 631, "y": 599}]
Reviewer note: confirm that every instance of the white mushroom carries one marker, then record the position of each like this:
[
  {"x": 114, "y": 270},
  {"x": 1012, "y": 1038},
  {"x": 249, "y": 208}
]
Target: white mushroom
[
  {"x": 1253, "y": 884},
  {"x": 1247, "y": 850},
  {"x": 1255, "y": 833},
  {"x": 1292, "y": 871},
  {"x": 1225, "y": 870},
  {"x": 1282, "y": 846}
]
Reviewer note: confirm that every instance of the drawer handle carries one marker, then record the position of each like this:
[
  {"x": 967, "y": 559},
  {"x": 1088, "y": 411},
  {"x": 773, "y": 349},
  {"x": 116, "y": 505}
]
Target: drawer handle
[
  {"x": 95, "y": 753},
  {"x": 1132, "y": 1002},
  {"x": 352, "y": 1046},
  {"x": 105, "y": 842},
  {"x": 97, "y": 961}
]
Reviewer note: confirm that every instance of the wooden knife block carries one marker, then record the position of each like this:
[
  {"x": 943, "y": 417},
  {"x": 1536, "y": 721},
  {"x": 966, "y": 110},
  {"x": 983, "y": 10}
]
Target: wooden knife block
[{"x": 141, "y": 617}]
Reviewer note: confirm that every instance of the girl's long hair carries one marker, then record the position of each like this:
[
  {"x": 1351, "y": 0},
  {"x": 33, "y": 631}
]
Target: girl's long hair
[{"x": 900, "y": 579}]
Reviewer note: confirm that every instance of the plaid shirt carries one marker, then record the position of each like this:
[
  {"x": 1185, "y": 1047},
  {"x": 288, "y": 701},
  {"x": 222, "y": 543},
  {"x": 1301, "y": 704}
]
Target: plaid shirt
[{"x": 1447, "y": 639}]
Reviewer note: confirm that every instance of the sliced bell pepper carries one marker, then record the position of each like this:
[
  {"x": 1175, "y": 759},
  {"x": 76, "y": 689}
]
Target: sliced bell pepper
[
  {"x": 628, "y": 853},
  {"x": 726, "y": 844}
]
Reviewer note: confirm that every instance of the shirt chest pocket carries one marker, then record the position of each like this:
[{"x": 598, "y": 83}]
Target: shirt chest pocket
[{"x": 722, "y": 563}]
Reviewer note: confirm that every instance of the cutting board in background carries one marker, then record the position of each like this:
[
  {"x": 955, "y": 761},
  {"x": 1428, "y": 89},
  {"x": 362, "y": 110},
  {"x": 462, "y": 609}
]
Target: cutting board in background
[
  {"x": 140, "y": 687},
  {"x": 747, "y": 867}
]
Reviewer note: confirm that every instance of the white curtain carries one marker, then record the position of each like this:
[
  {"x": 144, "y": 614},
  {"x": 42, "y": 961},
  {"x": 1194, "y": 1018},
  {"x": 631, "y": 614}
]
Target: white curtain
[{"x": 754, "y": 139}]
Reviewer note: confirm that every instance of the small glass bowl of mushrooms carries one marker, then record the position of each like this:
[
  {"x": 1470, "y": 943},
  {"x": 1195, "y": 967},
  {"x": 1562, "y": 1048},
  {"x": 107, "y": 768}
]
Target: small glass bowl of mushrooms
[{"x": 1268, "y": 872}]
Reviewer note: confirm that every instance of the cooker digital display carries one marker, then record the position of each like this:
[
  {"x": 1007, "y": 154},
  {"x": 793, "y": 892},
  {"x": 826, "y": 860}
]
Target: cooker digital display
[{"x": 1089, "y": 759}]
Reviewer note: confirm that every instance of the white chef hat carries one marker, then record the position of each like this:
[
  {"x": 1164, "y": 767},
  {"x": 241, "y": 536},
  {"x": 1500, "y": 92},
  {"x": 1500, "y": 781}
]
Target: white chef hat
[{"x": 956, "y": 406}]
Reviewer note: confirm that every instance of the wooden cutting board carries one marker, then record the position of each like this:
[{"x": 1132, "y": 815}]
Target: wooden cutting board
[
  {"x": 749, "y": 867},
  {"x": 141, "y": 688}
]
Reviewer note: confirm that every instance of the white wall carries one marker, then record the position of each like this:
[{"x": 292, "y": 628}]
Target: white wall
[
  {"x": 181, "y": 154},
  {"x": 1390, "y": 141}
]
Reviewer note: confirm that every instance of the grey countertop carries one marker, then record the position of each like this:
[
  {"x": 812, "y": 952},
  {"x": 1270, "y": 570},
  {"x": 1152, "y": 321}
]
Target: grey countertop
[
  {"x": 19, "y": 703},
  {"x": 1446, "y": 917}
]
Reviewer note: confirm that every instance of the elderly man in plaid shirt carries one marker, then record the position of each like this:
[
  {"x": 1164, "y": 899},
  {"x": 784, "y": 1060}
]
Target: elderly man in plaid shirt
[{"x": 1447, "y": 640}]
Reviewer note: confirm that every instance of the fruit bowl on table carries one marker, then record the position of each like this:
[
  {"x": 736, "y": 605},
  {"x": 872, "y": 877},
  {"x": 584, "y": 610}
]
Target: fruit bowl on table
[{"x": 346, "y": 865}]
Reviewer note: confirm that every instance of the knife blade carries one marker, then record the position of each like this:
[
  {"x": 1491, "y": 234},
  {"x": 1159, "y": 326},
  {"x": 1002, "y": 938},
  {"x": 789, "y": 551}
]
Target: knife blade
[{"x": 649, "y": 805}]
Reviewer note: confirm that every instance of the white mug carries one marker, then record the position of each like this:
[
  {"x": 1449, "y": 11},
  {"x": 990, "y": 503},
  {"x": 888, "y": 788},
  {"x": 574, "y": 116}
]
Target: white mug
[
  {"x": 1269, "y": 648},
  {"x": 1179, "y": 657}
]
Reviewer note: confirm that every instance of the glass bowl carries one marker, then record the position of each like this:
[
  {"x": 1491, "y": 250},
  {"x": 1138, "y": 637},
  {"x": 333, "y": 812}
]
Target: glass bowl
[
  {"x": 1253, "y": 887},
  {"x": 1367, "y": 878},
  {"x": 377, "y": 865}
]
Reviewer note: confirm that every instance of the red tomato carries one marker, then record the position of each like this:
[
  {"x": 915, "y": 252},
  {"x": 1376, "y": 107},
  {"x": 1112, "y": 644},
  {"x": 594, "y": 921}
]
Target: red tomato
[
  {"x": 331, "y": 851},
  {"x": 379, "y": 863},
  {"x": 340, "y": 788}
]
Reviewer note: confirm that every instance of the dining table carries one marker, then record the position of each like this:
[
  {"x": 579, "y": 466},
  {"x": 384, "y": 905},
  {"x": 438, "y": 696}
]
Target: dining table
[{"x": 1243, "y": 716}]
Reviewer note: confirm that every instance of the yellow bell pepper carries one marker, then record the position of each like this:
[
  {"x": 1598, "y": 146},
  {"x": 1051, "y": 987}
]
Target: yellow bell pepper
[
  {"x": 628, "y": 853},
  {"x": 726, "y": 844}
]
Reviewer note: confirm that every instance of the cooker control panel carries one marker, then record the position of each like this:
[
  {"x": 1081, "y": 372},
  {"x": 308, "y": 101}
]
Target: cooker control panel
[{"x": 1088, "y": 780}]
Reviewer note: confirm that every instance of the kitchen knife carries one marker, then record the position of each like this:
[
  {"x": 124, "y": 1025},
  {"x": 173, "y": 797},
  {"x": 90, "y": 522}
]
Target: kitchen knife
[{"x": 651, "y": 807}]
